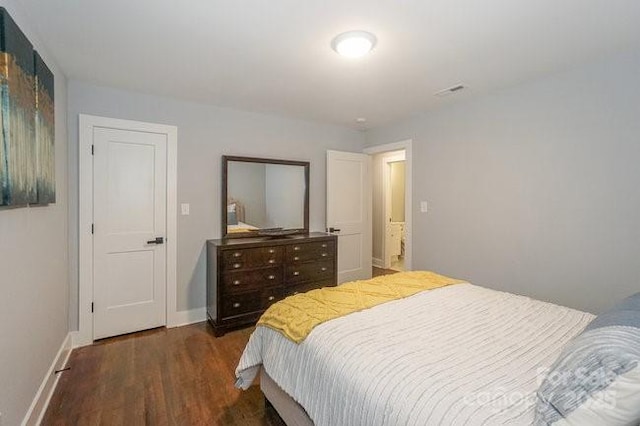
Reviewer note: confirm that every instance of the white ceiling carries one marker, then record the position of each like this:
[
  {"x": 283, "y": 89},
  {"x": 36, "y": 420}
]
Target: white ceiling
[{"x": 274, "y": 55}]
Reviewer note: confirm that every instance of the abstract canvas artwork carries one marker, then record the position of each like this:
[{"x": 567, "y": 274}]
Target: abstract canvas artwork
[
  {"x": 45, "y": 132},
  {"x": 27, "y": 121}
]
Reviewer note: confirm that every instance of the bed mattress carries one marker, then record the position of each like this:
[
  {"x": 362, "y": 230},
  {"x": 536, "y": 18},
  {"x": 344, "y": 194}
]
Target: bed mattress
[{"x": 458, "y": 355}]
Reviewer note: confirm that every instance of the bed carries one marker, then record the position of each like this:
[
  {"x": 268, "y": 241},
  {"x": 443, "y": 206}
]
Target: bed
[
  {"x": 456, "y": 355},
  {"x": 241, "y": 227},
  {"x": 236, "y": 218}
]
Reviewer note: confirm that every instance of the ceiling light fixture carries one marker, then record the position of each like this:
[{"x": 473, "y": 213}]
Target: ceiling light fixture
[{"x": 354, "y": 44}]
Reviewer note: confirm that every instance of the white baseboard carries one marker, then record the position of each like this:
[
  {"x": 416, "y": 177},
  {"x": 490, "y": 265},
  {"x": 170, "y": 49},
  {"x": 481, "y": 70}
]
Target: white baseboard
[
  {"x": 78, "y": 341},
  {"x": 43, "y": 396},
  {"x": 378, "y": 263},
  {"x": 181, "y": 318}
]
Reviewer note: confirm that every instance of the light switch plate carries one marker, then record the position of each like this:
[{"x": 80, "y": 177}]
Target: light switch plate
[
  {"x": 424, "y": 207},
  {"x": 184, "y": 208}
]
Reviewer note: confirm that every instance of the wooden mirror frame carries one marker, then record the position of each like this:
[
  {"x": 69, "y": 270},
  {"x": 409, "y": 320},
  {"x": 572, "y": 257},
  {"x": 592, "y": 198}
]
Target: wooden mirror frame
[{"x": 225, "y": 169}]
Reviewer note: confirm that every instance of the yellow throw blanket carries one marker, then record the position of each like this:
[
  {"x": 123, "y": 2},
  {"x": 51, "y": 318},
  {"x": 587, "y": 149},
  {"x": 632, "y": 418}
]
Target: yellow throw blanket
[{"x": 297, "y": 315}]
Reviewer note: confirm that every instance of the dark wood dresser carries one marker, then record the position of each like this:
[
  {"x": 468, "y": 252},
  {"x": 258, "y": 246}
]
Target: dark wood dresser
[{"x": 246, "y": 275}]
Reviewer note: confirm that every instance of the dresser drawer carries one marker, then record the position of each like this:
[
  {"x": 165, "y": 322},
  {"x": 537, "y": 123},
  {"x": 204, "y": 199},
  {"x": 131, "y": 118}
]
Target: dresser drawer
[
  {"x": 241, "y": 259},
  {"x": 271, "y": 296},
  {"x": 299, "y": 253},
  {"x": 240, "y": 281},
  {"x": 309, "y": 272},
  {"x": 245, "y": 276},
  {"x": 303, "y": 288},
  {"x": 242, "y": 303}
]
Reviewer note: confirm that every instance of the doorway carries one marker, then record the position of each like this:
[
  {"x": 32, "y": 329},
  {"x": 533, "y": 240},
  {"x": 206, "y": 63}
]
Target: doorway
[
  {"x": 393, "y": 194},
  {"x": 391, "y": 207}
]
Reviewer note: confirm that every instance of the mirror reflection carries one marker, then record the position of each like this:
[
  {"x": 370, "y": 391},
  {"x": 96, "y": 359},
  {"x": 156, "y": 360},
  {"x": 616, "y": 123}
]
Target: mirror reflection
[{"x": 264, "y": 196}]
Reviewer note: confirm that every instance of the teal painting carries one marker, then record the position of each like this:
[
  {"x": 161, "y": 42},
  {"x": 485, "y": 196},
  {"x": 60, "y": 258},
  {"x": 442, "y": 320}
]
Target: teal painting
[
  {"x": 45, "y": 132},
  {"x": 27, "y": 121}
]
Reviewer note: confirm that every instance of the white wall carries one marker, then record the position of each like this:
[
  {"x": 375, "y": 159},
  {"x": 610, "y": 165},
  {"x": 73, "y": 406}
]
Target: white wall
[
  {"x": 34, "y": 289},
  {"x": 534, "y": 189},
  {"x": 205, "y": 133}
]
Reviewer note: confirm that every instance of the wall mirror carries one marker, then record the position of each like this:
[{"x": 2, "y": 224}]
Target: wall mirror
[{"x": 264, "y": 197}]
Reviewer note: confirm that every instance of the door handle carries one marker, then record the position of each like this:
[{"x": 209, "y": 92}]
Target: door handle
[
  {"x": 158, "y": 240},
  {"x": 332, "y": 229}
]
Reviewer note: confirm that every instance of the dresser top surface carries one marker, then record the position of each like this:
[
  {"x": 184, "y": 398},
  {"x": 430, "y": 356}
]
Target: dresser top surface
[{"x": 262, "y": 241}]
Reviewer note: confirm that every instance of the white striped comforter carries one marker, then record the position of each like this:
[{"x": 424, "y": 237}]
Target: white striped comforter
[{"x": 458, "y": 355}]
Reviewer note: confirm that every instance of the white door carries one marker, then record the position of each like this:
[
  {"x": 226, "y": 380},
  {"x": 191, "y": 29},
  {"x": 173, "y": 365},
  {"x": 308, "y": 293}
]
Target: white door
[
  {"x": 349, "y": 212},
  {"x": 129, "y": 210}
]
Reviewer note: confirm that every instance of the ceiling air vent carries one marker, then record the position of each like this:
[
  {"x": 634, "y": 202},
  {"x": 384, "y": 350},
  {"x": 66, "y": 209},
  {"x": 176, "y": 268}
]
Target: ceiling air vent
[{"x": 449, "y": 91}]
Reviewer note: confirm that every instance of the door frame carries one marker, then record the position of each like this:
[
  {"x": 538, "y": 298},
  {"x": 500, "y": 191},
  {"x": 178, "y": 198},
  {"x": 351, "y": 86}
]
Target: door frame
[
  {"x": 386, "y": 198},
  {"x": 405, "y": 145},
  {"x": 87, "y": 123}
]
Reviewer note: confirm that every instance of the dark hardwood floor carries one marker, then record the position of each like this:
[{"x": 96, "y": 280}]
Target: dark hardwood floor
[{"x": 179, "y": 376}]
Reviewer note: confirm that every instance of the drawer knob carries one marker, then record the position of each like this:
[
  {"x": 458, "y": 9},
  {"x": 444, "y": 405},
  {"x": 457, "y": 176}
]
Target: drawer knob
[
  {"x": 296, "y": 248},
  {"x": 271, "y": 298},
  {"x": 323, "y": 269},
  {"x": 272, "y": 261},
  {"x": 296, "y": 273},
  {"x": 236, "y": 265},
  {"x": 271, "y": 251},
  {"x": 236, "y": 282},
  {"x": 324, "y": 255},
  {"x": 272, "y": 277},
  {"x": 324, "y": 246},
  {"x": 236, "y": 305},
  {"x": 237, "y": 254},
  {"x": 296, "y": 258}
]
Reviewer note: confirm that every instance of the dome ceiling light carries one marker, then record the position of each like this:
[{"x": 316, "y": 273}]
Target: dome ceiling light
[{"x": 354, "y": 44}]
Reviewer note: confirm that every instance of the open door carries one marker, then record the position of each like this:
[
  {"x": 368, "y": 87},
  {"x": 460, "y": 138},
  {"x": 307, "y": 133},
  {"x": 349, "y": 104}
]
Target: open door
[{"x": 349, "y": 212}]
